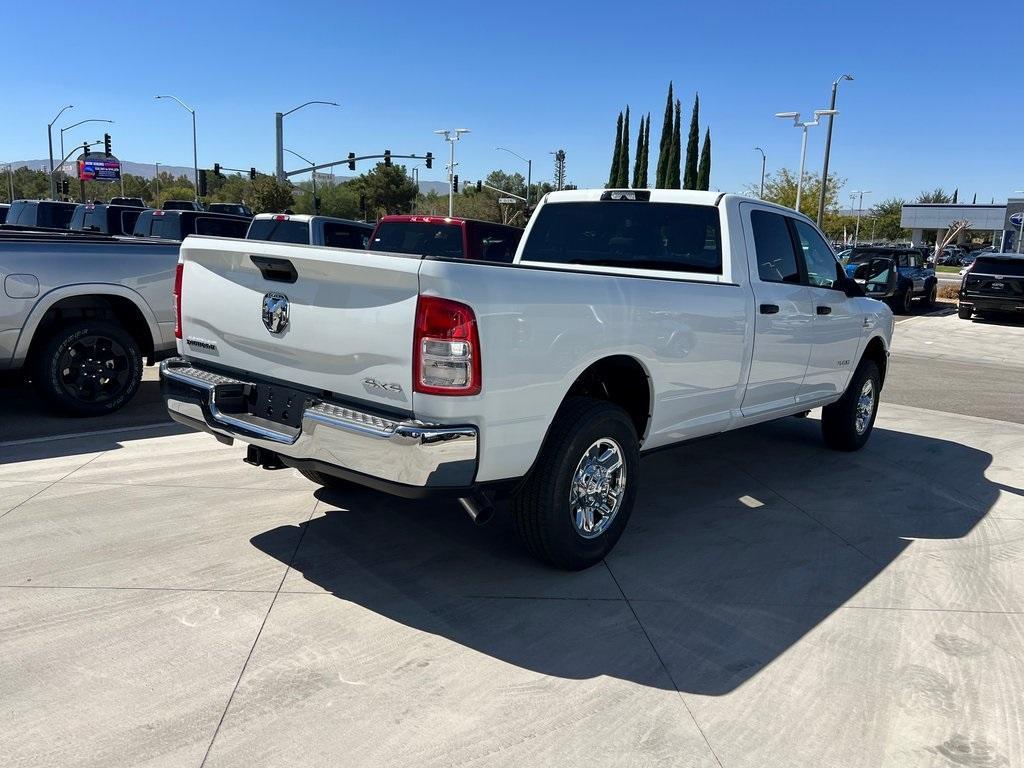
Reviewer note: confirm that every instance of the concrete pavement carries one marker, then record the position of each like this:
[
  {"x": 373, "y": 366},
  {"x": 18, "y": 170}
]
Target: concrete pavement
[{"x": 771, "y": 603}]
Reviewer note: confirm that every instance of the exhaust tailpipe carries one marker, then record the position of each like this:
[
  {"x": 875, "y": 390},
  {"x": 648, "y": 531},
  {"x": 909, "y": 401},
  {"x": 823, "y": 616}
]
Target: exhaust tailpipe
[{"x": 478, "y": 507}]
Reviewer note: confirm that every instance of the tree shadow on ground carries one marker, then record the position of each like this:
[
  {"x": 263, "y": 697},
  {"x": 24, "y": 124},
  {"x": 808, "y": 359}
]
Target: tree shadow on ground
[{"x": 737, "y": 548}]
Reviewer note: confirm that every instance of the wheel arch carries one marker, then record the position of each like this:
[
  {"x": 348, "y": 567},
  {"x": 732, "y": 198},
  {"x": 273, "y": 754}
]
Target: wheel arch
[
  {"x": 875, "y": 350},
  {"x": 109, "y": 302}
]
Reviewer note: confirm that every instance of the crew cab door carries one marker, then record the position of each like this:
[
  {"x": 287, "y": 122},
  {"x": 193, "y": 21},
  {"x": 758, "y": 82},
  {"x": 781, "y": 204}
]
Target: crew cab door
[
  {"x": 838, "y": 325},
  {"x": 783, "y": 314}
]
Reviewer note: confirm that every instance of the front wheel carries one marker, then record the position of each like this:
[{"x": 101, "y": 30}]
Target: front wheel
[
  {"x": 931, "y": 296},
  {"x": 964, "y": 313},
  {"x": 846, "y": 424},
  {"x": 89, "y": 368},
  {"x": 576, "y": 501},
  {"x": 900, "y": 303}
]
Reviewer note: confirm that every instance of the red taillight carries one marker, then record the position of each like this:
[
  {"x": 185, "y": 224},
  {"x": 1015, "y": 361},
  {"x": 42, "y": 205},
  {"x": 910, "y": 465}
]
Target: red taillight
[
  {"x": 446, "y": 348},
  {"x": 281, "y": 217},
  {"x": 177, "y": 300}
]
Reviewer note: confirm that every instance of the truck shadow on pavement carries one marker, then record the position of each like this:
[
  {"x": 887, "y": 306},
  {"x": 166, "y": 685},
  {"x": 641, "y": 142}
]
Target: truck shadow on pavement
[{"x": 738, "y": 547}]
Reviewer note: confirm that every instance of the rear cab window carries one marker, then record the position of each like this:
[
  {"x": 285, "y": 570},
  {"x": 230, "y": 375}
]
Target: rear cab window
[
  {"x": 419, "y": 238},
  {"x": 57, "y": 215},
  {"x": 215, "y": 227},
  {"x": 986, "y": 265},
  {"x": 629, "y": 235},
  {"x": 279, "y": 231},
  {"x": 346, "y": 236}
]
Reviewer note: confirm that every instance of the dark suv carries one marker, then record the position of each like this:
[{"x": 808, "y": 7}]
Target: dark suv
[
  {"x": 177, "y": 225},
  {"x": 106, "y": 219},
  {"x": 993, "y": 284},
  {"x": 47, "y": 214}
]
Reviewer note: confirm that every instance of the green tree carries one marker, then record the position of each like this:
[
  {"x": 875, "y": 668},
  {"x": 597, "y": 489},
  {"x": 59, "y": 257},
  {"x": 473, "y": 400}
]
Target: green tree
[
  {"x": 956, "y": 194},
  {"x": 780, "y": 187},
  {"x": 937, "y": 195},
  {"x": 665, "y": 148},
  {"x": 644, "y": 179},
  {"x": 690, "y": 174},
  {"x": 622, "y": 181},
  {"x": 887, "y": 216},
  {"x": 672, "y": 169},
  {"x": 268, "y": 196},
  {"x": 704, "y": 171},
  {"x": 638, "y": 162},
  {"x": 613, "y": 174},
  {"x": 387, "y": 188}
]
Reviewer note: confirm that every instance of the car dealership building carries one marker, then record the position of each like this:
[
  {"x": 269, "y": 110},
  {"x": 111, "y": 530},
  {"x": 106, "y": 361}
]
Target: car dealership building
[{"x": 1004, "y": 221}]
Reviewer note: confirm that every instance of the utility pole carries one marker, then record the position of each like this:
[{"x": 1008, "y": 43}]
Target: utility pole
[
  {"x": 795, "y": 116},
  {"x": 860, "y": 207},
  {"x": 49, "y": 138},
  {"x": 828, "y": 148},
  {"x": 764, "y": 159},
  {"x": 279, "y": 137},
  {"x": 451, "y": 137}
]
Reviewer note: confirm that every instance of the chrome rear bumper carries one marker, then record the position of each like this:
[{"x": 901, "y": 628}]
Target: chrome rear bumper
[{"x": 405, "y": 453}]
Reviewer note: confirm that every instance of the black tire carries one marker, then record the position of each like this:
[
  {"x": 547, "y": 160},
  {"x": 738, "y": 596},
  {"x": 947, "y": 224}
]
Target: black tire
[
  {"x": 325, "y": 480},
  {"x": 964, "y": 313},
  {"x": 541, "y": 507},
  {"x": 901, "y": 302},
  {"x": 839, "y": 421},
  {"x": 88, "y": 368},
  {"x": 930, "y": 295}
]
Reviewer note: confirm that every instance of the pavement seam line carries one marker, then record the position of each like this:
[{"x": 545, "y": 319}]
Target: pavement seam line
[
  {"x": 259, "y": 632},
  {"x": 48, "y": 487},
  {"x": 661, "y": 661},
  {"x": 89, "y": 433}
]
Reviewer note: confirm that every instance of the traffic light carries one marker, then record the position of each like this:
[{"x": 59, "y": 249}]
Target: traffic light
[
  {"x": 387, "y": 158},
  {"x": 479, "y": 186},
  {"x": 106, "y": 144},
  {"x": 430, "y": 160},
  {"x": 202, "y": 182},
  {"x": 316, "y": 204},
  {"x": 65, "y": 187},
  {"x": 216, "y": 169},
  {"x": 351, "y": 161},
  {"x": 252, "y": 174},
  {"x": 362, "y": 205},
  {"x": 455, "y": 183}
]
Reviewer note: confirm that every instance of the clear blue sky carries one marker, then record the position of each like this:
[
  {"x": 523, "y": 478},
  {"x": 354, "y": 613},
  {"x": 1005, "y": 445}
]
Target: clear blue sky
[{"x": 937, "y": 98}]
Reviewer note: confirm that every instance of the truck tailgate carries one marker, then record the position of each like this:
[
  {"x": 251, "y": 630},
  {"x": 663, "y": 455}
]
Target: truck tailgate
[{"x": 350, "y": 315}]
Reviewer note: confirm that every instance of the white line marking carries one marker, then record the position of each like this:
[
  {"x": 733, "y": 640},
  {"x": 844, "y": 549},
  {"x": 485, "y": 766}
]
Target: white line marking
[{"x": 73, "y": 435}]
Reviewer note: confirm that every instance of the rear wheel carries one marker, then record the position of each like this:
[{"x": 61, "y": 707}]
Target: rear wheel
[
  {"x": 89, "y": 368},
  {"x": 930, "y": 296},
  {"x": 846, "y": 424},
  {"x": 575, "y": 503},
  {"x": 901, "y": 302}
]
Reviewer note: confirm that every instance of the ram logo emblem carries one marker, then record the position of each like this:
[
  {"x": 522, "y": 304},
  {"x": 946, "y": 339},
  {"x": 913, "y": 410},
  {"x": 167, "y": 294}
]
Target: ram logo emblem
[{"x": 275, "y": 312}]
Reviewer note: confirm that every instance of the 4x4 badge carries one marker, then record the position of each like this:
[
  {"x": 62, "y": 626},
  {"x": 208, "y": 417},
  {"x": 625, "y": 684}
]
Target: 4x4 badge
[{"x": 275, "y": 312}]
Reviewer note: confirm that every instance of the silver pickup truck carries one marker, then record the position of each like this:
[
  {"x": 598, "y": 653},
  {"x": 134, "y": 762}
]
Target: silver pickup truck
[{"x": 79, "y": 313}]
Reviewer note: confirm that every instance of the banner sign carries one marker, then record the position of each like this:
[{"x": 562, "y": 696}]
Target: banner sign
[{"x": 99, "y": 169}]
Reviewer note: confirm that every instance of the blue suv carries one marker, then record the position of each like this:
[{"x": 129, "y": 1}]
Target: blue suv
[{"x": 915, "y": 279}]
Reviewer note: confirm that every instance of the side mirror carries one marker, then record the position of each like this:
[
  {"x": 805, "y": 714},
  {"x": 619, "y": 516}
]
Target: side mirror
[{"x": 851, "y": 287}]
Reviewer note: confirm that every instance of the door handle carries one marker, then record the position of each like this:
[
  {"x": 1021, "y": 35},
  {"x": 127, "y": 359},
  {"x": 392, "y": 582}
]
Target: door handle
[
  {"x": 769, "y": 309},
  {"x": 824, "y": 310}
]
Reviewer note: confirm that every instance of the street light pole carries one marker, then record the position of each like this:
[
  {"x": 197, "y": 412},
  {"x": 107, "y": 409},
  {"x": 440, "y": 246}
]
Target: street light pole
[
  {"x": 860, "y": 207},
  {"x": 795, "y": 117},
  {"x": 312, "y": 177},
  {"x": 157, "y": 198},
  {"x": 451, "y": 137},
  {"x": 764, "y": 159},
  {"x": 828, "y": 148},
  {"x": 10, "y": 179},
  {"x": 49, "y": 139},
  {"x": 195, "y": 152},
  {"x": 279, "y": 136},
  {"x": 529, "y": 172}
]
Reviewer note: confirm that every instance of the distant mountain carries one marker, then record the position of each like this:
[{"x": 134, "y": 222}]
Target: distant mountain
[{"x": 148, "y": 171}]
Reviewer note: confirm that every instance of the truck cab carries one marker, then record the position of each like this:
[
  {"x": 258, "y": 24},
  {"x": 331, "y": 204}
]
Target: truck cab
[{"x": 305, "y": 229}]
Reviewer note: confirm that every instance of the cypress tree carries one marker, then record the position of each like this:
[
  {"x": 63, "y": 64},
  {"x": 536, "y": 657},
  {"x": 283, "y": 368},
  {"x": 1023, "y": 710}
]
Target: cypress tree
[
  {"x": 623, "y": 180},
  {"x": 704, "y": 171},
  {"x": 956, "y": 194},
  {"x": 690, "y": 174},
  {"x": 638, "y": 162},
  {"x": 613, "y": 175},
  {"x": 647, "y": 153},
  {"x": 666, "y": 143},
  {"x": 672, "y": 169}
]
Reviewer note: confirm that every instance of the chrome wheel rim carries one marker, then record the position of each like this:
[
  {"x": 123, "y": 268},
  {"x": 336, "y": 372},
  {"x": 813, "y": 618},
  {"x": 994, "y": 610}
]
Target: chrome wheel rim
[
  {"x": 865, "y": 406},
  {"x": 598, "y": 488}
]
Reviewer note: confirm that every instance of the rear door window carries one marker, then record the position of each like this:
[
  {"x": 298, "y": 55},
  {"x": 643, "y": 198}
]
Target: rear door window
[
  {"x": 422, "y": 238},
  {"x": 345, "y": 236},
  {"x": 208, "y": 225},
  {"x": 626, "y": 233},
  {"x": 284, "y": 231},
  {"x": 773, "y": 248}
]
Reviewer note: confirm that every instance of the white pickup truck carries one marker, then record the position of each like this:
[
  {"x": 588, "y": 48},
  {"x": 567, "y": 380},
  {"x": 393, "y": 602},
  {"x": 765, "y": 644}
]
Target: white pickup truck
[{"x": 628, "y": 321}]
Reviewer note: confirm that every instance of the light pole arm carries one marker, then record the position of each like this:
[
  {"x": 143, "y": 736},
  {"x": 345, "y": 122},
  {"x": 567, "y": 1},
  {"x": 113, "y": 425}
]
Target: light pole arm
[
  {"x": 330, "y": 103},
  {"x": 182, "y": 103}
]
